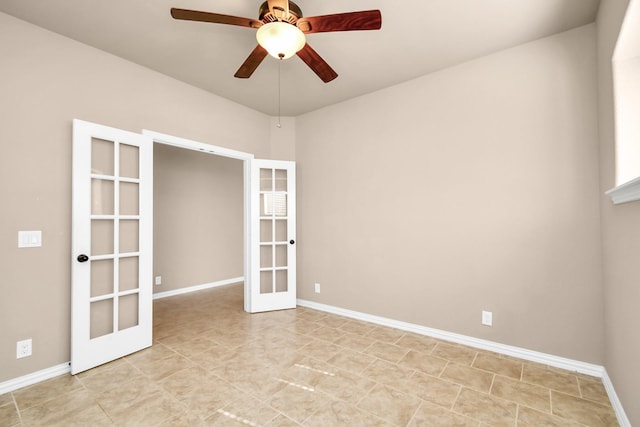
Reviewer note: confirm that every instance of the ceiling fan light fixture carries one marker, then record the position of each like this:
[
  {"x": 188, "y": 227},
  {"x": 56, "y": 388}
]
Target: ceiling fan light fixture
[{"x": 281, "y": 39}]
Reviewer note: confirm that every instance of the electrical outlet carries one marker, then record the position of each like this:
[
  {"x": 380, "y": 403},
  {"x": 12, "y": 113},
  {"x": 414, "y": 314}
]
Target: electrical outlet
[
  {"x": 158, "y": 280},
  {"x": 23, "y": 349},
  {"x": 317, "y": 288},
  {"x": 487, "y": 318}
]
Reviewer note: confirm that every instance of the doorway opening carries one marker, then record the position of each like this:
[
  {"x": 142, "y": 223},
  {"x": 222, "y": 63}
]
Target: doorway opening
[{"x": 201, "y": 257}]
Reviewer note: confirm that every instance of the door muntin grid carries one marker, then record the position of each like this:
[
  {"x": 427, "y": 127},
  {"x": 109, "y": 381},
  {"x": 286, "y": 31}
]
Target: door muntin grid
[
  {"x": 274, "y": 242},
  {"x": 115, "y": 224}
]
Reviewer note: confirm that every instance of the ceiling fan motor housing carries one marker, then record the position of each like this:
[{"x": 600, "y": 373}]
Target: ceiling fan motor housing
[{"x": 266, "y": 16}]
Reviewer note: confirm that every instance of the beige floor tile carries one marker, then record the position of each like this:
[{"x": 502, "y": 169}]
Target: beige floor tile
[
  {"x": 246, "y": 411},
  {"x": 283, "y": 421},
  {"x": 391, "y": 405},
  {"x": 424, "y": 363},
  {"x": 298, "y": 403},
  {"x": 320, "y": 350},
  {"x": 213, "y": 358},
  {"x": 162, "y": 368},
  {"x": 327, "y": 333},
  {"x": 384, "y": 334},
  {"x": 6, "y": 399},
  {"x": 539, "y": 375},
  {"x": 430, "y": 415},
  {"x": 203, "y": 400},
  {"x": 104, "y": 367},
  {"x": 181, "y": 383},
  {"x": 528, "y": 417},
  {"x": 8, "y": 412},
  {"x": 338, "y": 413},
  {"x": 530, "y": 395},
  {"x": 310, "y": 314},
  {"x": 506, "y": 367},
  {"x": 124, "y": 394},
  {"x": 468, "y": 377},
  {"x": 302, "y": 326},
  {"x": 593, "y": 389},
  {"x": 259, "y": 379},
  {"x": 46, "y": 390},
  {"x": 184, "y": 419},
  {"x": 357, "y": 327},
  {"x": 418, "y": 343},
  {"x": 351, "y": 360},
  {"x": 455, "y": 353},
  {"x": 581, "y": 410},
  {"x": 138, "y": 403},
  {"x": 74, "y": 408},
  {"x": 388, "y": 374},
  {"x": 157, "y": 351},
  {"x": 389, "y": 352},
  {"x": 345, "y": 386},
  {"x": 231, "y": 368},
  {"x": 309, "y": 371},
  {"x": 485, "y": 408},
  {"x": 105, "y": 379},
  {"x": 332, "y": 321},
  {"x": 354, "y": 342},
  {"x": 189, "y": 346},
  {"x": 432, "y": 389}
]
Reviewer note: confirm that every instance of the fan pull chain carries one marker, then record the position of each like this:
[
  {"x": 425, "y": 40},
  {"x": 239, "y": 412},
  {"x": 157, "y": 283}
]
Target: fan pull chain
[{"x": 279, "y": 125}]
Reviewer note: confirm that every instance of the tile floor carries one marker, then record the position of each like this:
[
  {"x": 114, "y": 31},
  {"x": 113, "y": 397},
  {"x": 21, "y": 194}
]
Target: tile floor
[{"x": 213, "y": 364}]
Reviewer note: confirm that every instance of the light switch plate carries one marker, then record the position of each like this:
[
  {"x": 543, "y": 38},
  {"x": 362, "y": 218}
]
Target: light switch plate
[{"x": 29, "y": 239}]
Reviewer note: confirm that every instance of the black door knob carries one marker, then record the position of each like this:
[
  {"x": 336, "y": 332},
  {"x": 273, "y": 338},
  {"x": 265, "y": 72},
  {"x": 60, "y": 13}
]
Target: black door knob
[
  {"x": 83, "y": 258},
  {"x": 292, "y": 241}
]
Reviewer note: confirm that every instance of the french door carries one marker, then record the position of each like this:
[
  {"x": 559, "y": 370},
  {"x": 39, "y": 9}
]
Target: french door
[
  {"x": 112, "y": 232},
  {"x": 112, "y": 235},
  {"x": 273, "y": 228}
]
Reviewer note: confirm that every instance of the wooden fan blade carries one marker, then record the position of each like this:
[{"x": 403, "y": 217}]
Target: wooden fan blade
[
  {"x": 351, "y": 21},
  {"x": 317, "y": 64},
  {"x": 251, "y": 63},
  {"x": 216, "y": 18}
]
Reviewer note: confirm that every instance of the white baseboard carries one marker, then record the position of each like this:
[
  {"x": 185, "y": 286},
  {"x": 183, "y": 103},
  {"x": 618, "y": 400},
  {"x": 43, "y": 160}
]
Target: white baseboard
[
  {"x": 197, "y": 287},
  {"x": 521, "y": 353},
  {"x": 34, "y": 377},
  {"x": 615, "y": 401}
]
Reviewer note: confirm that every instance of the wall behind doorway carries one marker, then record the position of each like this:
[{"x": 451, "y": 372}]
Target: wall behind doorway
[{"x": 198, "y": 218}]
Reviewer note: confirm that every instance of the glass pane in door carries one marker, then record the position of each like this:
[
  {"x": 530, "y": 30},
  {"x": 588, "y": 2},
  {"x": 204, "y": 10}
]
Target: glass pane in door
[
  {"x": 101, "y": 318},
  {"x": 102, "y": 157},
  {"x": 280, "y": 180},
  {"x": 128, "y": 274},
  {"x": 266, "y": 282},
  {"x": 129, "y": 161},
  {"x": 101, "y": 277},
  {"x": 129, "y": 198},
  {"x": 128, "y": 313},
  {"x": 281, "y": 281},
  {"x": 129, "y": 235},
  {"x": 102, "y": 197},
  {"x": 102, "y": 232}
]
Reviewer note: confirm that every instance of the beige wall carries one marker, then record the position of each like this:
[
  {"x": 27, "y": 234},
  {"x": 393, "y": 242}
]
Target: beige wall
[
  {"x": 474, "y": 188},
  {"x": 198, "y": 217},
  {"x": 620, "y": 235},
  {"x": 46, "y": 81}
]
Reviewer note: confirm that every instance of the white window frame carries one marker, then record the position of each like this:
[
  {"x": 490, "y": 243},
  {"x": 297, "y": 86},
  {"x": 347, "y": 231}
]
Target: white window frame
[{"x": 626, "y": 65}]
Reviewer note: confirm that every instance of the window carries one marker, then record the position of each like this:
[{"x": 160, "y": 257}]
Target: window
[{"x": 626, "y": 78}]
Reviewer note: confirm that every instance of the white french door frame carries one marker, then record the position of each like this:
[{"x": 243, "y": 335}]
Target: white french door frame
[{"x": 246, "y": 158}]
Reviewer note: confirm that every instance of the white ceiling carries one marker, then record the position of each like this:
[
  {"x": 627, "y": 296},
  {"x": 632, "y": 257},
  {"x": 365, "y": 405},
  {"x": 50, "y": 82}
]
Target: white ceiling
[{"x": 417, "y": 37}]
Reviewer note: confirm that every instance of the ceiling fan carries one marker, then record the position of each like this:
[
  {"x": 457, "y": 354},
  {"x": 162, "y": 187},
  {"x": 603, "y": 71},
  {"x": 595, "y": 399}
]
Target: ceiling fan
[{"x": 281, "y": 32}]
